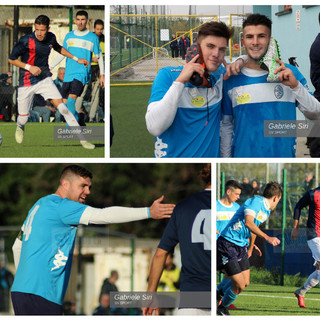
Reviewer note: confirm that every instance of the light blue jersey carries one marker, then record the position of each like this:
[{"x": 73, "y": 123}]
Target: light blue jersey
[
  {"x": 195, "y": 131},
  {"x": 81, "y": 45},
  {"x": 250, "y": 99},
  {"x": 224, "y": 214},
  {"x": 47, "y": 248},
  {"x": 236, "y": 231}
]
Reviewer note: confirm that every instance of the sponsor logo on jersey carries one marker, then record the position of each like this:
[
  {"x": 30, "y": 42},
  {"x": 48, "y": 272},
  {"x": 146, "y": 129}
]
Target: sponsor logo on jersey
[
  {"x": 237, "y": 226},
  {"x": 198, "y": 102},
  {"x": 278, "y": 91},
  {"x": 59, "y": 262},
  {"x": 244, "y": 98}
]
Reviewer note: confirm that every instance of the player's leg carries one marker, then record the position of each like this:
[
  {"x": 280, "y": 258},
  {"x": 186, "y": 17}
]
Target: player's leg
[
  {"x": 25, "y": 97},
  {"x": 79, "y": 100},
  {"x": 94, "y": 100}
]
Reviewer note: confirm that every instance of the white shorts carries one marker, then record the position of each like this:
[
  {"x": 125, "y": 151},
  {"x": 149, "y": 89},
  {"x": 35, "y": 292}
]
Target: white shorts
[
  {"x": 46, "y": 88},
  {"x": 314, "y": 245},
  {"x": 193, "y": 312}
]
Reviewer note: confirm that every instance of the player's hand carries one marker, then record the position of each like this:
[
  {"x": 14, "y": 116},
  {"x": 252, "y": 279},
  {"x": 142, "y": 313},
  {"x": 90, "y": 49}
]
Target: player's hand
[
  {"x": 83, "y": 61},
  {"x": 149, "y": 311},
  {"x": 257, "y": 251},
  {"x": 189, "y": 69},
  {"x": 160, "y": 210},
  {"x": 102, "y": 81},
  {"x": 295, "y": 234},
  {"x": 286, "y": 75},
  {"x": 34, "y": 70},
  {"x": 233, "y": 69},
  {"x": 273, "y": 241}
]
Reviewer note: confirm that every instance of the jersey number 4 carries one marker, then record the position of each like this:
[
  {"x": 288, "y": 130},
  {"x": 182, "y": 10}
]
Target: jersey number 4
[{"x": 201, "y": 229}]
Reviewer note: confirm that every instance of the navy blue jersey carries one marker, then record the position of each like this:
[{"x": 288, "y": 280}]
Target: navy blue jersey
[
  {"x": 311, "y": 199},
  {"x": 36, "y": 53},
  {"x": 190, "y": 225}
]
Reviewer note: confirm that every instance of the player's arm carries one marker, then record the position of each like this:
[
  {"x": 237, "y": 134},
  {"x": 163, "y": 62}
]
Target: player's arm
[
  {"x": 16, "y": 249},
  {"x": 157, "y": 210},
  {"x": 101, "y": 69},
  {"x": 156, "y": 270},
  {"x": 34, "y": 70},
  {"x": 67, "y": 54},
  {"x": 233, "y": 68},
  {"x": 226, "y": 135},
  {"x": 302, "y": 203},
  {"x": 249, "y": 223}
]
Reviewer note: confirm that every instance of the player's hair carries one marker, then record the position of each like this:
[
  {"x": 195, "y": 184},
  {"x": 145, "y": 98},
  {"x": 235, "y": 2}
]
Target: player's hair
[
  {"x": 233, "y": 185},
  {"x": 98, "y": 22},
  {"x": 42, "y": 19},
  {"x": 82, "y": 13},
  {"x": 74, "y": 170},
  {"x": 205, "y": 174},
  {"x": 113, "y": 273},
  {"x": 218, "y": 29},
  {"x": 272, "y": 189},
  {"x": 256, "y": 19}
]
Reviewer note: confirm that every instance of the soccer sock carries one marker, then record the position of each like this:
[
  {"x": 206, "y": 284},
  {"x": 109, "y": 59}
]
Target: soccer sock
[
  {"x": 311, "y": 282},
  {"x": 227, "y": 285},
  {"x": 22, "y": 120},
  {"x": 71, "y": 105},
  {"x": 223, "y": 285},
  {"x": 228, "y": 298}
]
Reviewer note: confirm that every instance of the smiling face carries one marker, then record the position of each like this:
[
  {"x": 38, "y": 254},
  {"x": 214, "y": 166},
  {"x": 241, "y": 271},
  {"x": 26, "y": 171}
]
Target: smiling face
[
  {"x": 40, "y": 31},
  {"x": 213, "y": 51},
  {"x": 81, "y": 22},
  {"x": 256, "y": 40},
  {"x": 77, "y": 188}
]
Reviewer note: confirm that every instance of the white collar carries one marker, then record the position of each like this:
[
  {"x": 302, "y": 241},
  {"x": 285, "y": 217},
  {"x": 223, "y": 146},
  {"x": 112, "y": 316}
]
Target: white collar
[
  {"x": 266, "y": 203},
  {"x": 81, "y": 33}
]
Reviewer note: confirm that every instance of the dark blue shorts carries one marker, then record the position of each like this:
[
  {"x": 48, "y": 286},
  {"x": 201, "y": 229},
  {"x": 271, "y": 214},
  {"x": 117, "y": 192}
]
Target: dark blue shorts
[
  {"x": 231, "y": 258},
  {"x": 73, "y": 87},
  {"x": 31, "y": 304}
]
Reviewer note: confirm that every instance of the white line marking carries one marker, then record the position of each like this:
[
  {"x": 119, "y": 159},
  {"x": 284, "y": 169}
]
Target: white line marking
[{"x": 267, "y": 296}]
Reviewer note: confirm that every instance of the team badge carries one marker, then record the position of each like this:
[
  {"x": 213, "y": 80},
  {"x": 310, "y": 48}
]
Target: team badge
[
  {"x": 198, "y": 102},
  {"x": 278, "y": 91},
  {"x": 244, "y": 98}
]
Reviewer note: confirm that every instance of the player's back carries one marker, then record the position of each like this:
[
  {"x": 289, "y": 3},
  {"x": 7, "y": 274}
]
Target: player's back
[{"x": 190, "y": 225}]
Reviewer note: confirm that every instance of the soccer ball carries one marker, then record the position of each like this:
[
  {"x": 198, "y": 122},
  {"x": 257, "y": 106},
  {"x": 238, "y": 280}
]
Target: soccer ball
[{"x": 1, "y": 139}]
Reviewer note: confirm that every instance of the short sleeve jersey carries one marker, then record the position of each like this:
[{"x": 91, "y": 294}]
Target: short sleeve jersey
[
  {"x": 81, "y": 45},
  {"x": 250, "y": 99},
  {"x": 195, "y": 130},
  {"x": 236, "y": 231},
  {"x": 190, "y": 226},
  {"x": 224, "y": 214},
  {"x": 36, "y": 53},
  {"x": 47, "y": 248}
]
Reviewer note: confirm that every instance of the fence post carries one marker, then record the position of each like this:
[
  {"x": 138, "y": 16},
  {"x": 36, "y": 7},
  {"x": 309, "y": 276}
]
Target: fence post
[{"x": 283, "y": 224}]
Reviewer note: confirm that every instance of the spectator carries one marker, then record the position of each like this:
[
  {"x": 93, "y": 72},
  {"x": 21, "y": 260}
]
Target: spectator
[
  {"x": 308, "y": 182},
  {"x": 43, "y": 108},
  {"x": 6, "y": 280},
  {"x": 255, "y": 188},
  {"x": 6, "y": 94},
  {"x": 184, "y": 43},
  {"x": 109, "y": 284},
  {"x": 174, "y": 47},
  {"x": 246, "y": 188},
  {"x": 69, "y": 308},
  {"x": 104, "y": 307},
  {"x": 170, "y": 278}
]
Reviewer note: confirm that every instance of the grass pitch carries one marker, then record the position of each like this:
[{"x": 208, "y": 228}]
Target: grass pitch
[
  {"x": 128, "y": 106},
  {"x": 39, "y": 143},
  {"x": 269, "y": 300}
]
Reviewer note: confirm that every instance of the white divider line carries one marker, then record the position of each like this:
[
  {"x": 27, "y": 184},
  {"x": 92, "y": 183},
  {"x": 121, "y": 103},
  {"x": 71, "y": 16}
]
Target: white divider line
[{"x": 282, "y": 297}]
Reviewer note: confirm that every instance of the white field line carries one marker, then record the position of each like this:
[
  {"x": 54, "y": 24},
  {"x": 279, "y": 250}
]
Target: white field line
[{"x": 281, "y": 297}]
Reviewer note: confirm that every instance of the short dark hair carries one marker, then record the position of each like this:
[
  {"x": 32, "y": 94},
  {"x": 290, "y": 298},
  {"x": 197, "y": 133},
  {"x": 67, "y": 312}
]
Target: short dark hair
[
  {"x": 233, "y": 184},
  {"x": 82, "y": 13},
  {"x": 42, "y": 19},
  {"x": 272, "y": 189},
  {"x": 98, "y": 22},
  {"x": 75, "y": 170},
  {"x": 218, "y": 29},
  {"x": 256, "y": 19}
]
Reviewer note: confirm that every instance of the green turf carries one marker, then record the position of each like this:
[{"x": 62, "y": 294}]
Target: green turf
[
  {"x": 128, "y": 105},
  {"x": 38, "y": 143},
  {"x": 275, "y": 301}
]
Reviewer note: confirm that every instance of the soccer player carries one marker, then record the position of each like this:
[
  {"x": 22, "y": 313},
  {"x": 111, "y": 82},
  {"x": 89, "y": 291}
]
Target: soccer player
[
  {"x": 248, "y": 99},
  {"x": 310, "y": 199},
  {"x": 190, "y": 226},
  {"x": 232, "y": 245},
  {"x": 43, "y": 254},
  {"x": 35, "y": 76},
  {"x": 81, "y": 42},
  {"x": 185, "y": 119}
]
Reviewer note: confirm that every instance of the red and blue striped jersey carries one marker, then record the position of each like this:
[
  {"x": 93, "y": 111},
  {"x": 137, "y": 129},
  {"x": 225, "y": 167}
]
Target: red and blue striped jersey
[
  {"x": 36, "y": 53},
  {"x": 312, "y": 199}
]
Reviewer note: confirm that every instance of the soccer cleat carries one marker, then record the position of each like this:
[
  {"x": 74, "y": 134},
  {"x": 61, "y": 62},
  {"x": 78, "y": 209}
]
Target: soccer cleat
[
  {"x": 268, "y": 61},
  {"x": 232, "y": 307},
  {"x": 301, "y": 301},
  {"x": 222, "y": 311},
  {"x": 19, "y": 134},
  {"x": 87, "y": 145},
  {"x": 219, "y": 298}
]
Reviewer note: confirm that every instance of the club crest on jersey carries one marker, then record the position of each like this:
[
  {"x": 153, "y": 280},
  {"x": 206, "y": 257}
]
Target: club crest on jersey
[
  {"x": 278, "y": 91},
  {"x": 244, "y": 98},
  {"x": 198, "y": 101}
]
